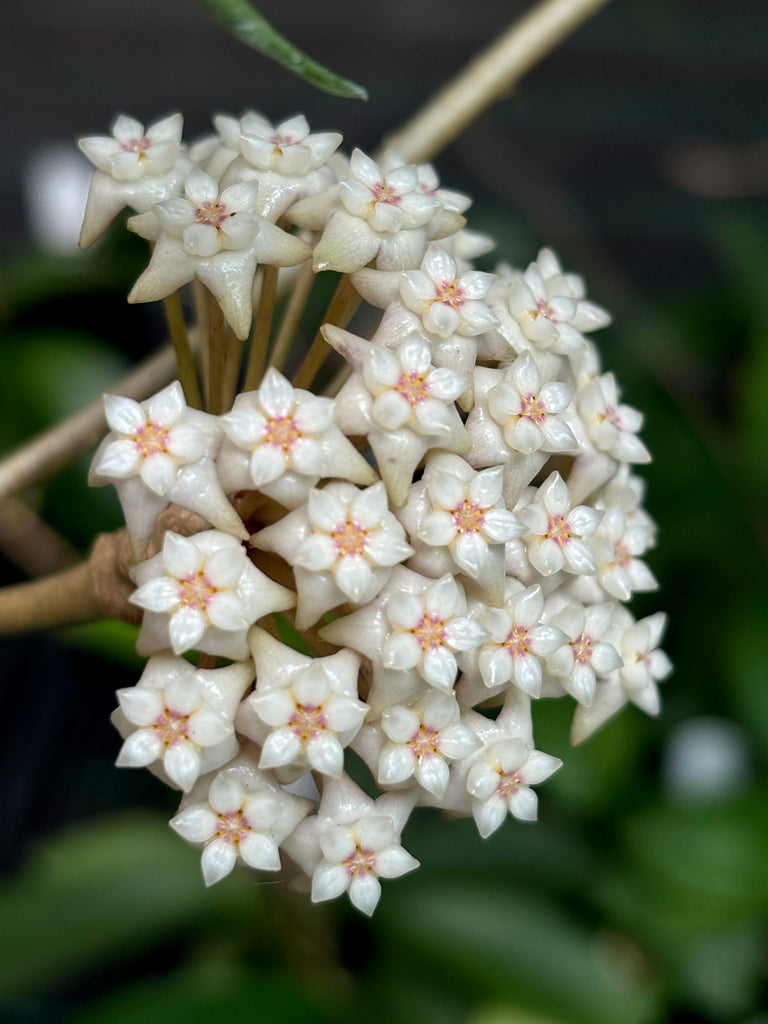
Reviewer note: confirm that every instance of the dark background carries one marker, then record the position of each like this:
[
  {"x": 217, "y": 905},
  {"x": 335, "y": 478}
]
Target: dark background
[{"x": 639, "y": 151}]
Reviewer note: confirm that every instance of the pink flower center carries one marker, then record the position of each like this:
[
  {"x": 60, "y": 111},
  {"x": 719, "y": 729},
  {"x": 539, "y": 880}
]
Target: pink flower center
[
  {"x": 468, "y": 517},
  {"x": 413, "y": 386},
  {"x": 430, "y": 632},
  {"x": 282, "y": 431},
  {"x": 151, "y": 439},
  {"x": 517, "y": 642},
  {"x": 621, "y": 555},
  {"x": 544, "y": 309},
  {"x": 196, "y": 590},
  {"x": 426, "y": 742},
  {"x": 212, "y": 213},
  {"x": 278, "y": 140},
  {"x": 559, "y": 530},
  {"x": 172, "y": 726},
  {"x": 509, "y": 782},
  {"x": 384, "y": 194},
  {"x": 139, "y": 146},
  {"x": 361, "y": 862},
  {"x": 307, "y": 721},
  {"x": 350, "y": 538},
  {"x": 582, "y": 649},
  {"x": 532, "y": 409},
  {"x": 233, "y": 828},
  {"x": 450, "y": 293}
]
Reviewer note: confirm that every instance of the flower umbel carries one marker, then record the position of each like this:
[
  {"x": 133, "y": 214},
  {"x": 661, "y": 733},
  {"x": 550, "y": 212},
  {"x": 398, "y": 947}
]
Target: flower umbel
[{"x": 448, "y": 521}]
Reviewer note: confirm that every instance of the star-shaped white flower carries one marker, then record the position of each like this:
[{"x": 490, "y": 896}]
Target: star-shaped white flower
[
  {"x": 342, "y": 546},
  {"x": 401, "y": 402},
  {"x": 554, "y": 540},
  {"x": 218, "y": 238},
  {"x": 421, "y": 741},
  {"x": 500, "y": 780},
  {"x": 203, "y": 592},
  {"x": 617, "y": 547},
  {"x": 445, "y": 302},
  {"x": 518, "y": 641},
  {"x": 135, "y": 168},
  {"x": 158, "y": 452},
  {"x": 239, "y": 814},
  {"x": 288, "y": 162},
  {"x": 587, "y": 652},
  {"x": 612, "y": 427},
  {"x": 423, "y": 626},
  {"x": 546, "y": 309},
  {"x": 351, "y": 843},
  {"x": 644, "y": 665},
  {"x": 282, "y": 440},
  {"x": 459, "y": 518},
  {"x": 527, "y": 410},
  {"x": 377, "y": 211},
  {"x": 304, "y": 711},
  {"x": 181, "y": 716}
]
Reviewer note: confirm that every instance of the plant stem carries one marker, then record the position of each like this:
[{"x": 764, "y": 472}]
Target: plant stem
[
  {"x": 178, "y": 331},
  {"x": 215, "y": 352},
  {"x": 292, "y": 316},
  {"x": 261, "y": 328},
  {"x": 489, "y": 77},
  {"x": 67, "y": 598},
  {"x": 53, "y": 449},
  {"x": 342, "y": 306}
]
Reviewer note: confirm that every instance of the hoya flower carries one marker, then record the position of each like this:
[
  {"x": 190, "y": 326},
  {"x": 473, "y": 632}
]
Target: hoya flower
[
  {"x": 427, "y": 630},
  {"x": 401, "y": 402},
  {"x": 500, "y": 780},
  {"x": 218, "y": 238},
  {"x": 134, "y": 167},
  {"x": 288, "y": 162},
  {"x": 587, "y": 652},
  {"x": 239, "y": 814},
  {"x": 617, "y": 547},
  {"x": 644, "y": 665},
  {"x": 497, "y": 778},
  {"x": 304, "y": 711},
  {"x": 527, "y": 409},
  {"x": 517, "y": 641},
  {"x": 548, "y": 310},
  {"x": 351, "y": 843},
  {"x": 420, "y": 742},
  {"x": 611, "y": 427},
  {"x": 342, "y": 546},
  {"x": 382, "y": 212},
  {"x": 181, "y": 716},
  {"x": 131, "y": 153},
  {"x": 445, "y": 302},
  {"x": 282, "y": 440},
  {"x": 203, "y": 592},
  {"x": 415, "y": 627},
  {"x": 556, "y": 531},
  {"x": 459, "y": 515},
  {"x": 158, "y": 452}
]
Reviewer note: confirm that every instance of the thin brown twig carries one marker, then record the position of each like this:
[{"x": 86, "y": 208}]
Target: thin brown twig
[
  {"x": 261, "y": 328},
  {"x": 340, "y": 311}
]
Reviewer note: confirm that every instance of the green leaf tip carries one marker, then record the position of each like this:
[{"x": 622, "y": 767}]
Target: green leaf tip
[{"x": 247, "y": 25}]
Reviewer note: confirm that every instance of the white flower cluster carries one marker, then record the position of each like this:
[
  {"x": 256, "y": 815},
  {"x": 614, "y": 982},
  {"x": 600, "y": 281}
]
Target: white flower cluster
[{"x": 458, "y": 530}]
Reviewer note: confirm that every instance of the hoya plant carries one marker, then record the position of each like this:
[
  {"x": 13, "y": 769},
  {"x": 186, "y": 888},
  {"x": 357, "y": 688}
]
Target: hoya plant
[{"x": 356, "y": 562}]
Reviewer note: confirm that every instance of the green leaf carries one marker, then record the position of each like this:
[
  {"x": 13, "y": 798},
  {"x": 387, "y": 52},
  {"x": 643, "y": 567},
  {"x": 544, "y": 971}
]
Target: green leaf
[
  {"x": 508, "y": 945},
  {"x": 91, "y": 895},
  {"x": 189, "y": 997},
  {"x": 247, "y": 25}
]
